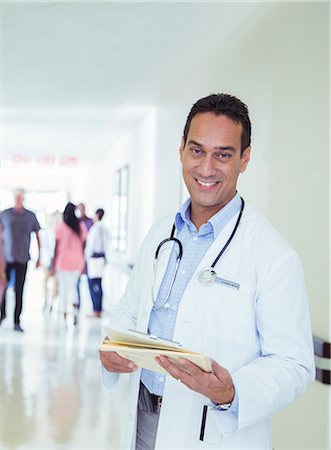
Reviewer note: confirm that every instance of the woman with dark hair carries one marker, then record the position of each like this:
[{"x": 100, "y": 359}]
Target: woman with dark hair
[
  {"x": 69, "y": 261},
  {"x": 70, "y": 218}
]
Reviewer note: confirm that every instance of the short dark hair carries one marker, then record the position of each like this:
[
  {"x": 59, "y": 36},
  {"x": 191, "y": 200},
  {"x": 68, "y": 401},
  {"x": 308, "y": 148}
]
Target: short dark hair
[
  {"x": 100, "y": 213},
  {"x": 226, "y": 105}
]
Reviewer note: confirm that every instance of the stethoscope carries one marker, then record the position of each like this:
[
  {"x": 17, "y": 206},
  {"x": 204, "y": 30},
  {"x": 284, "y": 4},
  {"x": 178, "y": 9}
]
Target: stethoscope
[{"x": 207, "y": 277}]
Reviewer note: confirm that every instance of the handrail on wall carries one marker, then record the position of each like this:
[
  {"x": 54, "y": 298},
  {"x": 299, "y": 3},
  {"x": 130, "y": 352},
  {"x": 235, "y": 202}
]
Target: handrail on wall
[{"x": 322, "y": 350}]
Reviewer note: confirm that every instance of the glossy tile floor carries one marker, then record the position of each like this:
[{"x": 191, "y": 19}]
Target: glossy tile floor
[{"x": 51, "y": 391}]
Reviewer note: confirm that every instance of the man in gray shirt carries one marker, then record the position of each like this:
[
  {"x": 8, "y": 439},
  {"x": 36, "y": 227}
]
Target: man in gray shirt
[{"x": 17, "y": 225}]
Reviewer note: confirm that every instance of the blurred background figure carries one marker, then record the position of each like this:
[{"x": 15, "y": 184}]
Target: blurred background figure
[
  {"x": 17, "y": 225},
  {"x": 47, "y": 237},
  {"x": 88, "y": 222},
  {"x": 3, "y": 278},
  {"x": 81, "y": 210},
  {"x": 95, "y": 254},
  {"x": 68, "y": 260}
]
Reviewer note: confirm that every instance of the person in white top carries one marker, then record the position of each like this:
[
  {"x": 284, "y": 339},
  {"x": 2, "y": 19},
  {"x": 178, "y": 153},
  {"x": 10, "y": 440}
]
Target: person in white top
[{"x": 95, "y": 254}]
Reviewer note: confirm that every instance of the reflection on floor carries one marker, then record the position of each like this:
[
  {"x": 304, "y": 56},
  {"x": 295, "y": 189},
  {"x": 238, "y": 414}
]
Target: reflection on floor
[{"x": 51, "y": 393}]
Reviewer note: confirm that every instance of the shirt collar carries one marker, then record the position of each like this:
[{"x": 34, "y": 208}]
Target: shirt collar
[
  {"x": 18, "y": 212},
  {"x": 217, "y": 222},
  {"x": 183, "y": 215}
]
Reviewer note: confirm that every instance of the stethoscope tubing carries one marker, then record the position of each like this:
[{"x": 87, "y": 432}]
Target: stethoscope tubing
[
  {"x": 169, "y": 239},
  {"x": 231, "y": 236},
  {"x": 180, "y": 253},
  {"x": 180, "y": 246}
]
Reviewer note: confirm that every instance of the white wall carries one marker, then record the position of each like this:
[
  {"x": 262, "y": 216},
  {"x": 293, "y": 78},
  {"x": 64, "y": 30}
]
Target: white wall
[
  {"x": 137, "y": 147},
  {"x": 279, "y": 67}
]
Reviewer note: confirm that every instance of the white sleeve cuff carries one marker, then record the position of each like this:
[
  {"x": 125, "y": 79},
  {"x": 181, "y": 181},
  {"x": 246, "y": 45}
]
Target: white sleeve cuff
[
  {"x": 109, "y": 379},
  {"x": 227, "y": 421}
]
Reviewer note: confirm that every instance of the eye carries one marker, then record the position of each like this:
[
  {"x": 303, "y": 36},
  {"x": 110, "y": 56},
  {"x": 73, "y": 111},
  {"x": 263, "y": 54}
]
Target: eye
[
  {"x": 224, "y": 155},
  {"x": 196, "y": 151}
]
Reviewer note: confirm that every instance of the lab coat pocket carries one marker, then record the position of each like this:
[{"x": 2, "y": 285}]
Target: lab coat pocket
[
  {"x": 209, "y": 432},
  {"x": 229, "y": 312}
]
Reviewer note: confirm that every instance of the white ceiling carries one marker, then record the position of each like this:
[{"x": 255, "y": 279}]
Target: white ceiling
[{"x": 74, "y": 71}]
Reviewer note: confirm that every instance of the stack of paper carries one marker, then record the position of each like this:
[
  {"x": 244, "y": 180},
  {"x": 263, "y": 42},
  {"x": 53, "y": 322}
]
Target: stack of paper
[{"x": 142, "y": 348}]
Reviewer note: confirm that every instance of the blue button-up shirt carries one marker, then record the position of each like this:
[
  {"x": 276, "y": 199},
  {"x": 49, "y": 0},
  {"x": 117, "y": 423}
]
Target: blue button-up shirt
[{"x": 195, "y": 244}]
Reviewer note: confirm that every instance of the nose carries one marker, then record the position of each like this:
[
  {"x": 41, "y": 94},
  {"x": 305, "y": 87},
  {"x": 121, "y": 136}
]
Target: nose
[{"x": 207, "y": 166}]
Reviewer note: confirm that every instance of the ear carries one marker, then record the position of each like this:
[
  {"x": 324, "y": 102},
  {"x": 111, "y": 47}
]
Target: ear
[
  {"x": 181, "y": 150},
  {"x": 246, "y": 156}
]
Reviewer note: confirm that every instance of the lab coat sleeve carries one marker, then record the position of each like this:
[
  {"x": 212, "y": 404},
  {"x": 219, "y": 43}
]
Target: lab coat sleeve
[
  {"x": 227, "y": 421},
  {"x": 286, "y": 365},
  {"x": 125, "y": 313},
  {"x": 109, "y": 379}
]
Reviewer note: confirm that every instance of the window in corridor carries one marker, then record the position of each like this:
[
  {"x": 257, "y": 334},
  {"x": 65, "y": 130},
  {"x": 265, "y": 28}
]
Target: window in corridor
[{"x": 120, "y": 209}]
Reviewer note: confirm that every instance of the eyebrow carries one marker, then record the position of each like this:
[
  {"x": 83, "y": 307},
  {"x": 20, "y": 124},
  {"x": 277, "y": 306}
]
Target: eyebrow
[{"x": 226, "y": 147}]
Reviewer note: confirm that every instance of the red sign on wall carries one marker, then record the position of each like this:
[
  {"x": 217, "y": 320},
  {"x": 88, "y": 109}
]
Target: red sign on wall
[{"x": 45, "y": 159}]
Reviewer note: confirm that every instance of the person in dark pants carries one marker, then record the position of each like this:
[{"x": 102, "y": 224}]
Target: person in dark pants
[
  {"x": 95, "y": 252},
  {"x": 17, "y": 225}
]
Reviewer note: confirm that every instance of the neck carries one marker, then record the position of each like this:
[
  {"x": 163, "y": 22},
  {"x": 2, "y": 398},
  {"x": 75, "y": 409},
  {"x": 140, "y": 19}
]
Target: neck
[{"x": 201, "y": 216}]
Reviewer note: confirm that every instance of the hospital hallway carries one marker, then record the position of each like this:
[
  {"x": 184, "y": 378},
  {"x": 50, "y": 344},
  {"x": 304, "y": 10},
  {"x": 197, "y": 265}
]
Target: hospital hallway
[
  {"x": 97, "y": 102},
  {"x": 52, "y": 395}
]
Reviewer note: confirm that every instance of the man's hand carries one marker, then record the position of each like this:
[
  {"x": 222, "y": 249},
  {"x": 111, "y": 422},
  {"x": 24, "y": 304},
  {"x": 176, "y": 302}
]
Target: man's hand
[
  {"x": 216, "y": 385},
  {"x": 113, "y": 362}
]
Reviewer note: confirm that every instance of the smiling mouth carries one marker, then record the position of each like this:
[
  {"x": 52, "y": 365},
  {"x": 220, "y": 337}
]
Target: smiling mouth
[{"x": 206, "y": 183}]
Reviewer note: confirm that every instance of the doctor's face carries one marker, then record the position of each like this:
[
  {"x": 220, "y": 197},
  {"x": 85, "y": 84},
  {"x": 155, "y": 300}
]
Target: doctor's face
[{"x": 212, "y": 161}]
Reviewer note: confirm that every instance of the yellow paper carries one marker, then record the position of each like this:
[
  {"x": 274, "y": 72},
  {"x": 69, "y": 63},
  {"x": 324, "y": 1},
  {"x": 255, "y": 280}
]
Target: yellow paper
[{"x": 142, "y": 349}]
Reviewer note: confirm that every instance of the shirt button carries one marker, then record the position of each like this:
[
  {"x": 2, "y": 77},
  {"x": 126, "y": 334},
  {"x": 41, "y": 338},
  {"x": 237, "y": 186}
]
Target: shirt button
[
  {"x": 174, "y": 307},
  {"x": 161, "y": 379},
  {"x": 183, "y": 272},
  {"x": 195, "y": 238}
]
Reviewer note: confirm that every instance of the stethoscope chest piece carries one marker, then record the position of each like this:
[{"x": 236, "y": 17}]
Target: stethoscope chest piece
[{"x": 207, "y": 277}]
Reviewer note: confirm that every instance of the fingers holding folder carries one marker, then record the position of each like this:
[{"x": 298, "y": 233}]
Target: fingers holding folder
[
  {"x": 129, "y": 349},
  {"x": 113, "y": 362}
]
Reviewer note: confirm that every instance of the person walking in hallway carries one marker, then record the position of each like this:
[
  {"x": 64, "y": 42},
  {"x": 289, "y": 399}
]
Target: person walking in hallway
[
  {"x": 88, "y": 222},
  {"x": 83, "y": 218},
  {"x": 95, "y": 254},
  {"x": 218, "y": 278},
  {"x": 17, "y": 224},
  {"x": 68, "y": 262}
]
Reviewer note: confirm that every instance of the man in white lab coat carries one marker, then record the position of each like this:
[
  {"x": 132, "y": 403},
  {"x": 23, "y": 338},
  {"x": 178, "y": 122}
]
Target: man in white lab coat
[{"x": 226, "y": 284}]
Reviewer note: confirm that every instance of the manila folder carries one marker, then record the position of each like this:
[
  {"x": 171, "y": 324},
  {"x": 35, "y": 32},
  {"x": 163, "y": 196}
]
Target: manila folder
[{"x": 142, "y": 349}]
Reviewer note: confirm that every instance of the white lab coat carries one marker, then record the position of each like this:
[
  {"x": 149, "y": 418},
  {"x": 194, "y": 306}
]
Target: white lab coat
[
  {"x": 96, "y": 240},
  {"x": 261, "y": 333}
]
